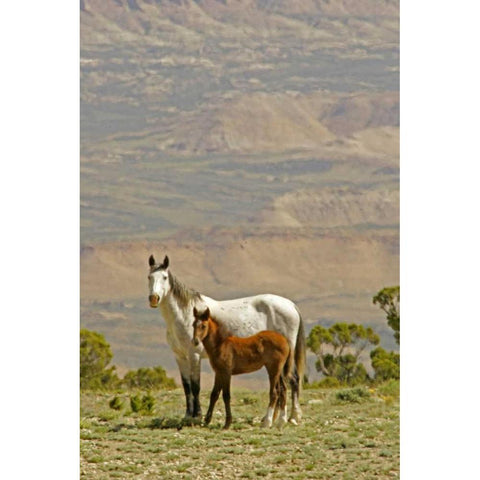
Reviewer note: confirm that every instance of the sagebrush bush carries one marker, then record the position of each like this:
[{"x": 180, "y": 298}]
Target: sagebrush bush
[
  {"x": 116, "y": 403},
  {"x": 146, "y": 378},
  {"x": 144, "y": 405},
  {"x": 352, "y": 395}
]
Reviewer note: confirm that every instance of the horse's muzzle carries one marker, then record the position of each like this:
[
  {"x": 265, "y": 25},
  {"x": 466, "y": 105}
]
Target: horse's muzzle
[
  {"x": 153, "y": 299},
  {"x": 196, "y": 342}
]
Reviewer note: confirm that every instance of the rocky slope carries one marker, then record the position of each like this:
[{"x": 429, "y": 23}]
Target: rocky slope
[{"x": 255, "y": 142}]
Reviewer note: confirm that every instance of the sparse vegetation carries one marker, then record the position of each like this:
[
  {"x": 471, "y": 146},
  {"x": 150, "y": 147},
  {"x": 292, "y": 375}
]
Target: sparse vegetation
[
  {"x": 95, "y": 374},
  {"x": 355, "y": 436}
]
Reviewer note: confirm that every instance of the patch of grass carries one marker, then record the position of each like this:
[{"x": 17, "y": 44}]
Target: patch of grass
[
  {"x": 390, "y": 389},
  {"x": 336, "y": 439},
  {"x": 249, "y": 400},
  {"x": 327, "y": 382},
  {"x": 95, "y": 459}
]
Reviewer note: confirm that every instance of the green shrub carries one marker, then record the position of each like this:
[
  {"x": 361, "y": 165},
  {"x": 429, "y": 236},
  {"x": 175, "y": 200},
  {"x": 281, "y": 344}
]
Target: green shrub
[
  {"x": 144, "y": 405},
  {"x": 352, "y": 395},
  {"x": 385, "y": 364},
  {"x": 148, "y": 403},
  {"x": 116, "y": 403},
  {"x": 135, "y": 403},
  {"x": 95, "y": 355},
  {"x": 148, "y": 379}
]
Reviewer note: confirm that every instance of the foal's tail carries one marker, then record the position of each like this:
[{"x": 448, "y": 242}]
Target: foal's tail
[
  {"x": 288, "y": 367},
  {"x": 300, "y": 352}
]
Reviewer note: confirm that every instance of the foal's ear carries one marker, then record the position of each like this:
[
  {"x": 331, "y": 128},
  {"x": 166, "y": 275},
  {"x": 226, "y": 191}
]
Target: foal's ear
[
  {"x": 205, "y": 315},
  {"x": 195, "y": 312},
  {"x": 165, "y": 262},
  {"x": 151, "y": 261}
]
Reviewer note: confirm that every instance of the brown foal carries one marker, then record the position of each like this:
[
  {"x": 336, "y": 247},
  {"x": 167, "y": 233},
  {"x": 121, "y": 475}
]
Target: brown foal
[{"x": 230, "y": 355}]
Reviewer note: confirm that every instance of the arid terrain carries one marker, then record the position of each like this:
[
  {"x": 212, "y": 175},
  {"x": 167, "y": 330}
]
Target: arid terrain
[
  {"x": 342, "y": 436},
  {"x": 254, "y": 142}
]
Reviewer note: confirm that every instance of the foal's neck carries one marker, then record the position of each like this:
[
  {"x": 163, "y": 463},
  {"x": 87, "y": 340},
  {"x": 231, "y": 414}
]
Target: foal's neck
[{"x": 216, "y": 335}]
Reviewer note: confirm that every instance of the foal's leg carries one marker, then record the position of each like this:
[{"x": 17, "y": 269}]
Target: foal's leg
[
  {"x": 282, "y": 402},
  {"x": 217, "y": 386},
  {"x": 226, "y": 401},
  {"x": 273, "y": 377},
  {"x": 277, "y": 406}
]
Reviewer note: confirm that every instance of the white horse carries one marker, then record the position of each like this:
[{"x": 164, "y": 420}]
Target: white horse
[{"x": 242, "y": 316}]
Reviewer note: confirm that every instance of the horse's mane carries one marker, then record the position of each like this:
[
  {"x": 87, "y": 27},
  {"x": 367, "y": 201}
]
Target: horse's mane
[{"x": 182, "y": 293}]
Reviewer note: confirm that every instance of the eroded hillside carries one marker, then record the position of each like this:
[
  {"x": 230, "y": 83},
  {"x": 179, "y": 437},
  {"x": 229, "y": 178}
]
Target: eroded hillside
[{"x": 255, "y": 142}]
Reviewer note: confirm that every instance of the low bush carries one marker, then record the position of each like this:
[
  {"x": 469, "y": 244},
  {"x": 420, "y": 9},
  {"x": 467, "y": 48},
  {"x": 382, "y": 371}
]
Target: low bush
[
  {"x": 116, "y": 403},
  {"x": 353, "y": 395},
  {"x": 144, "y": 405},
  {"x": 148, "y": 379}
]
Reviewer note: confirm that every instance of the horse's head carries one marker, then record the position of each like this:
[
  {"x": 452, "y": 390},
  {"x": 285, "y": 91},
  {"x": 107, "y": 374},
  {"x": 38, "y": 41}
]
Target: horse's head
[
  {"x": 200, "y": 325},
  {"x": 158, "y": 281}
]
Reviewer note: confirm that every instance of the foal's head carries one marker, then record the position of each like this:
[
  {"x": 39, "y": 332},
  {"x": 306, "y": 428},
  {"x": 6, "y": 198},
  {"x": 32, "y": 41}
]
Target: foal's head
[{"x": 200, "y": 325}]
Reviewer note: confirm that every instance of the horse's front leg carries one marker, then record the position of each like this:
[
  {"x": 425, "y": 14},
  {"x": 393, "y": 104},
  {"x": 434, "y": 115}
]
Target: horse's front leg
[
  {"x": 195, "y": 384},
  {"x": 184, "y": 367}
]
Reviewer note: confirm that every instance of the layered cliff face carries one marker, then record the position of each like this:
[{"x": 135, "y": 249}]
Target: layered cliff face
[{"x": 255, "y": 142}]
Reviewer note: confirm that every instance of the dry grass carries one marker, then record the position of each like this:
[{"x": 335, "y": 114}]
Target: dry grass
[{"x": 336, "y": 440}]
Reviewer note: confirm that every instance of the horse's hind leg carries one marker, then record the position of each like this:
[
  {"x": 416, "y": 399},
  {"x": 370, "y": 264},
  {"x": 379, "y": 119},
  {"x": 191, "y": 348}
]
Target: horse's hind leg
[
  {"x": 296, "y": 415},
  {"x": 195, "y": 385}
]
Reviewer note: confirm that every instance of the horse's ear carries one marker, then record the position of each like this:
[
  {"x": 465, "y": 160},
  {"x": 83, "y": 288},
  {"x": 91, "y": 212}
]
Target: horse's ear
[
  {"x": 165, "y": 263},
  {"x": 205, "y": 315},
  {"x": 151, "y": 261},
  {"x": 195, "y": 312}
]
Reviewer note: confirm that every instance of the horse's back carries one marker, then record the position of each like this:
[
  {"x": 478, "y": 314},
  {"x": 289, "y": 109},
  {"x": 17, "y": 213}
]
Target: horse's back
[{"x": 249, "y": 315}]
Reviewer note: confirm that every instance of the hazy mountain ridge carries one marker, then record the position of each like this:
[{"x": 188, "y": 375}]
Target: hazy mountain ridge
[{"x": 255, "y": 142}]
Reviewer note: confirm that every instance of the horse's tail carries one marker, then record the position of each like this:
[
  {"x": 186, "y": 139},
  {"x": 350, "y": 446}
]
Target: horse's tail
[
  {"x": 288, "y": 367},
  {"x": 300, "y": 352}
]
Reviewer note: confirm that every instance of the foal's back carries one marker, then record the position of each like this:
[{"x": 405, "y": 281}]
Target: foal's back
[{"x": 266, "y": 348}]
